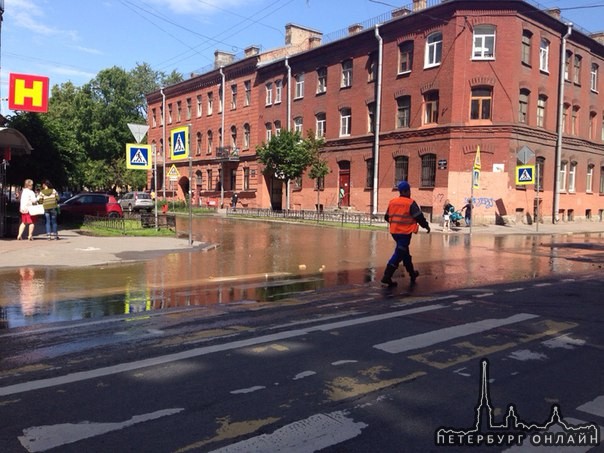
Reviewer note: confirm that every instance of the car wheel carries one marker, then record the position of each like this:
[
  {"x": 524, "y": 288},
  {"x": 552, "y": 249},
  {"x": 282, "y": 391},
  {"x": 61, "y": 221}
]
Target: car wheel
[
  {"x": 113, "y": 215},
  {"x": 130, "y": 208}
]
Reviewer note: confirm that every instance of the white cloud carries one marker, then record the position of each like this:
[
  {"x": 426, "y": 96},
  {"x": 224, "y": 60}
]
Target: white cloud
[
  {"x": 29, "y": 14},
  {"x": 200, "y": 6}
]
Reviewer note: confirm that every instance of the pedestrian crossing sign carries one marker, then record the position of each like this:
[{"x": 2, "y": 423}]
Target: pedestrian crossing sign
[
  {"x": 525, "y": 174},
  {"x": 138, "y": 157},
  {"x": 179, "y": 148}
]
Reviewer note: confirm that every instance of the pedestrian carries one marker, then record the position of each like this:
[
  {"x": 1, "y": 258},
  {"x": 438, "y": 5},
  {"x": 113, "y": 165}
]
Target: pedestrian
[
  {"x": 27, "y": 199},
  {"x": 341, "y": 194},
  {"x": 49, "y": 198},
  {"x": 468, "y": 213},
  {"x": 234, "y": 199},
  {"x": 403, "y": 216},
  {"x": 447, "y": 210}
]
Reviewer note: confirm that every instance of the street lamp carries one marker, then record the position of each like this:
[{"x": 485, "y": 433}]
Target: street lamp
[
  {"x": 1, "y": 18},
  {"x": 163, "y": 138}
]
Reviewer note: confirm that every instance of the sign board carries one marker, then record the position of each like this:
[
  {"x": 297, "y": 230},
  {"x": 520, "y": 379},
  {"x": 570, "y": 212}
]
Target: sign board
[
  {"x": 525, "y": 154},
  {"x": 475, "y": 178},
  {"x": 179, "y": 148},
  {"x": 138, "y": 157},
  {"x": 477, "y": 159},
  {"x": 525, "y": 174},
  {"x": 138, "y": 131},
  {"x": 173, "y": 173},
  {"x": 442, "y": 164},
  {"x": 28, "y": 93}
]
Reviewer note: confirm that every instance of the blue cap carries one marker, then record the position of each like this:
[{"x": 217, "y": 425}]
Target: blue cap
[{"x": 403, "y": 186}]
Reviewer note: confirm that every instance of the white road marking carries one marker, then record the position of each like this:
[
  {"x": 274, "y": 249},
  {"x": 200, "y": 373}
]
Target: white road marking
[
  {"x": 42, "y": 438},
  {"x": 312, "y": 434},
  {"x": 248, "y": 390},
  {"x": 594, "y": 407},
  {"x": 427, "y": 339},
  {"x": 304, "y": 374},
  {"x": 343, "y": 362},
  {"x": 197, "y": 352},
  {"x": 524, "y": 355},
  {"x": 563, "y": 341}
]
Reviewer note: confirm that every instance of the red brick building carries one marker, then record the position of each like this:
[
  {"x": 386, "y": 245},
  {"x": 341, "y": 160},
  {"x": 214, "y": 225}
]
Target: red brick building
[{"x": 438, "y": 82}]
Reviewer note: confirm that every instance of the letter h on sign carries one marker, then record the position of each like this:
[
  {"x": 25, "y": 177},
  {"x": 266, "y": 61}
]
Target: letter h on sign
[{"x": 28, "y": 93}]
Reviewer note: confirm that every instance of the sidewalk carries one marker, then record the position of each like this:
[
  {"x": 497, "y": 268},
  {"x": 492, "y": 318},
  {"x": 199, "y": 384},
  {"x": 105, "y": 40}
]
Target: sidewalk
[{"x": 77, "y": 250}]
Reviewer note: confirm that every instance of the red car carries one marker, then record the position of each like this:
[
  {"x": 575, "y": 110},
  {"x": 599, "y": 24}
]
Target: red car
[{"x": 95, "y": 204}]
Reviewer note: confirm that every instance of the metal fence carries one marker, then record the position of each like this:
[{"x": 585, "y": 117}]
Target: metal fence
[
  {"x": 337, "y": 217},
  {"x": 113, "y": 223}
]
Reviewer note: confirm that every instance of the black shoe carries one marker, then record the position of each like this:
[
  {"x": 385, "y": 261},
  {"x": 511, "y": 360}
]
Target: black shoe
[
  {"x": 413, "y": 276},
  {"x": 388, "y": 281}
]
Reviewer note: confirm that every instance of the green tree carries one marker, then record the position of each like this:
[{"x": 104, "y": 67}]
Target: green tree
[
  {"x": 286, "y": 156},
  {"x": 319, "y": 167}
]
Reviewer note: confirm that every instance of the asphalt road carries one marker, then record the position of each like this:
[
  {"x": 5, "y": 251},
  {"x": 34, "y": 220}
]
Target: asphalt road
[{"x": 355, "y": 369}]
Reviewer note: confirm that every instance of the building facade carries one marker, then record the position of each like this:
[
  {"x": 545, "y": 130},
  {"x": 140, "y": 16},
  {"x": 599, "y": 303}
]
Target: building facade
[{"x": 412, "y": 96}]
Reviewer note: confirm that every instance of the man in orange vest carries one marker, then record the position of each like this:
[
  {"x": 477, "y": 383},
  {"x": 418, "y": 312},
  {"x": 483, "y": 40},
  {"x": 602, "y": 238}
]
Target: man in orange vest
[{"x": 403, "y": 216}]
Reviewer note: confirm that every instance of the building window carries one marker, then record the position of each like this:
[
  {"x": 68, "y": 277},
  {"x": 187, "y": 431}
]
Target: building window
[
  {"x": 565, "y": 110},
  {"x": 199, "y": 105},
  {"x": 589, "y": 180},
  {"x": 209, "y": 179},
  {"x": 592, "y": 125},
  {"x": 298, "y": 124},
  {"x": 577, "y": 70},
  {"x": 234, "y": 137},
  {"x": 369, "y": 174},
  {"x": 405, "y": 57},
  {"x": 320, "y": 183},
  {"x": 269, "y": 94},
  {"x": 321, "y": 80},
  {"x": 403, "y": 111},
  {"x": 594, "y": 78},
  {"x": 198, "y": 179},
  {"x": 434, "y": 46},
  {"x": 401, "y": 169},
  {"x": 346, "y": 74},
  {"x": 210, "y": 103},
  {"x": 480, "y": 103},
  {"x": 246, "y": 136},
  {"x": 170, "y": 113},
  {"x": 153, "y": 117},
  {"x": 278, "y": 91},
  {"x": 527, "y": 37},
  {"x": 269, "y": 132},
  {"x": 541, "y": 104},
  {"x": 246, "y": 178},
  {"x": 523, "y": 106},
  {"x": 575, "y": 121},
  {"x": 345, "y": 122},
  {"x": 161, "y": 116},
  {"x": 544, "y": 55},
  {"x": 320, "y": 120},
  {"x": 562, "y": 176},
  {"x": 572, "y": 176},
  {"x": 233, "y": 179},
  {"x": 371, "y": 67},
  {"x": 484, "y": 42},
  {"x": 299, "y": 86},
  {"x": 431, "y": 107},
  {"x": 247, "y": 85},
  {"x": 602, "y": 129},
  {"x": 189, "y": 108},
  {"x": 540, "y": 169},
  {"x": 277, "y": 128},
  {"x": 233, "y": 97},
  {"x": 602, "y": 179},
  {"x": 371, "y": 117},
  {"x": 178, "y": 111},
  {"x": 198, "y": 144},
  {"x": 567, "y": 59},
  {"x": 428, "y": 170},
  {"x": 220, "y": 99},
  {"x": 210, "y": 142}
]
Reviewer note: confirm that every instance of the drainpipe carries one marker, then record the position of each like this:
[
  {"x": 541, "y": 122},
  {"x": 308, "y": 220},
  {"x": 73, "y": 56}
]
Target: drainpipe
[
  {"x": 163, "y": 137},
  {"x": 222, "y": 82},
  {"x": 289, "y": 115},
  {"x": 556, "y": 204},
  {"x": 376, "y": 132}
]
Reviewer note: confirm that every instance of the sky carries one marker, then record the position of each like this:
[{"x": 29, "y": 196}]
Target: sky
[{"x": 72, "y": 40}]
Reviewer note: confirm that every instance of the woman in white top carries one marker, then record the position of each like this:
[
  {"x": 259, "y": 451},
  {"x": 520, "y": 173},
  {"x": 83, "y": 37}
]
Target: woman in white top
[{"x": 28, "y": 198}]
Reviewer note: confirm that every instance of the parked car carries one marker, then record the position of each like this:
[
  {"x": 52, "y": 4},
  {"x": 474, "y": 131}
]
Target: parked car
[
  {"x": 89, "y": 203},
  {"x": 64, "y": 196},
  {"x": 137, "y": 201}
]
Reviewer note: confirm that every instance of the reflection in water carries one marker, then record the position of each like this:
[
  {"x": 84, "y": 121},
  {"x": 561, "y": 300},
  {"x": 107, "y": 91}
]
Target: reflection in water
[{"x": 266, "y": 261}]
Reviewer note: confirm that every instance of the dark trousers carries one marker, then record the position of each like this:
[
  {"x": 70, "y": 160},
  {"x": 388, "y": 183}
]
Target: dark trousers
[{"x": 401, "y": 252}]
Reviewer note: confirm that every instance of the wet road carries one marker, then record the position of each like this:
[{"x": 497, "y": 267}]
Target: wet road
[{"x": 257, "y": 261}]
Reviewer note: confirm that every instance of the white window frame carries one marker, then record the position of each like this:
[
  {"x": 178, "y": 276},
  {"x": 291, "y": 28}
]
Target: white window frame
[
  {"x": 403, "y": 112},
  {"x": 269, "y": 132},
  {"x": 589, "y": 178},
  {"x": 269, "y": 94},
  {"x": 248, "y": 92},
  {"x": 189, "y": 109},
  {"x": 233, "y": 96},
  {"x": 278, "y": 91},
  {"x": 346, "y": 81},
  {"x": 431, "y": 108},
  {"x": 434, "y": 46},
  {"x": 577, "y": 63},
  {"x": 562, "y": 176},
  {"x": 320, "y": 124},
  {"x": 405, "y": 55},
  {"x": 484, "y": 42},
  {"x": 210, "y": 98},
  {"x": 298, "y": 124},
  {"x": 277, "y": 128},
  {"x": 322, "y": 80},
  {"x": 345, "y": 122},
  {"x": 541, "y": 106},
  {"x": 544, "y": 55},
  {"x": 572, "y": 177},
  {"x": 199, "y": 105},
  {"x": 299, "y": 86},
  {"x": 594, "y": 77},
  {"x": 246, "y": 136}
]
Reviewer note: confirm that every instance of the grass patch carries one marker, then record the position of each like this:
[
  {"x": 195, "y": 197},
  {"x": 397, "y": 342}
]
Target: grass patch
[{"x": 128, "y": 227}]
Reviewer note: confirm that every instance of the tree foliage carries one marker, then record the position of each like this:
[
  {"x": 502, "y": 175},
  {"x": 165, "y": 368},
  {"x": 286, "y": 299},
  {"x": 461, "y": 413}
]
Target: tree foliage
[{"x": 80, "y": 142}]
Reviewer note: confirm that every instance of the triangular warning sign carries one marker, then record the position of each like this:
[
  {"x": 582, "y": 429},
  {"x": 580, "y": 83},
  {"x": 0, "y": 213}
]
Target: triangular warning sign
[
  {"x": 525, "y": 176},
  {"x": 139, "y": 158}
]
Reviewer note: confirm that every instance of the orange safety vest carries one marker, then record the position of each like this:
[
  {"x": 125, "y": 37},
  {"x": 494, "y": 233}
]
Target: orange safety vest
[{"x": 399, "y": 216}]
